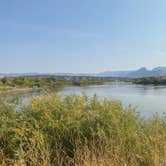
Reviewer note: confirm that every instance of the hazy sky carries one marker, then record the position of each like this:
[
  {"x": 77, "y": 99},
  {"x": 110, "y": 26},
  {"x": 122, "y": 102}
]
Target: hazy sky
[{"x": 81, "y": 35}]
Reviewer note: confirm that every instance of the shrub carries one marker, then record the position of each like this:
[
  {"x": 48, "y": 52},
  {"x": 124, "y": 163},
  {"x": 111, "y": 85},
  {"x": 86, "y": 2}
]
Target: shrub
[{"x": 76, "y": 130}]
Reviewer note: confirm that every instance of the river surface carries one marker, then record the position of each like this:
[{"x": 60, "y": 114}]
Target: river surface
[{"x": 147, "y": 99}]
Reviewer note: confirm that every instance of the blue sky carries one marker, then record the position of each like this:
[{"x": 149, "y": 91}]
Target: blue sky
[{"x": 81, "y": 35}]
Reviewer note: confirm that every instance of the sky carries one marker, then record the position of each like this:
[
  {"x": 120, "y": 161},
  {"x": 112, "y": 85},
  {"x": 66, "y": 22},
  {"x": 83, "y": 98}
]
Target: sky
[{"x": 81, "y": 36}]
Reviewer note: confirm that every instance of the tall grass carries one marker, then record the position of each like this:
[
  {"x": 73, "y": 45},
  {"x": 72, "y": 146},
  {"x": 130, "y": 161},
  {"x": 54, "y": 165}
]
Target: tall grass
[{"x": 78, "y": 131}]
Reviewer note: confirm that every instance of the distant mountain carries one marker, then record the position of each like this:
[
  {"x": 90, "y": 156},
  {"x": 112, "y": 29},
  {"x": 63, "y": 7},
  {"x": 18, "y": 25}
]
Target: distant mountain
[{"x": 142, "y": 72}]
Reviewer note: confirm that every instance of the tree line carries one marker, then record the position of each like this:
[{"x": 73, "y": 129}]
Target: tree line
[{"x": 150, "y": 80}]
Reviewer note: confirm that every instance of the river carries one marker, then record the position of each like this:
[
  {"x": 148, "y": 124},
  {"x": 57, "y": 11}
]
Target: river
[{"x": 147, "y": 99}]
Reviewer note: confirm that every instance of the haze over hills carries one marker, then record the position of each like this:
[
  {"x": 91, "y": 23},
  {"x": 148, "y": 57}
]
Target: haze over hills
[{"x": 142, "y": 72}]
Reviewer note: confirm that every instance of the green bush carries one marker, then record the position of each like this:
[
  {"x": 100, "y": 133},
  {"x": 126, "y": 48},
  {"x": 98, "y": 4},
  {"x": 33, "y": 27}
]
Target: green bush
[{"x": 76, "y": 130}]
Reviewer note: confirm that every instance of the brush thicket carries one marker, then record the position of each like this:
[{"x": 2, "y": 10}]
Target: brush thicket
[{"x": 79, "y": 131}]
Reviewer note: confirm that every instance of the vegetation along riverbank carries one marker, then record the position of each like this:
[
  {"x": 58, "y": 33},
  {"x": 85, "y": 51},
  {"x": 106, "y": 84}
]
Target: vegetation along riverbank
[
  {"x": 14, "y": 84},
  {"x": 76, "y": 130},
  {"x": 150, "y": 80}
]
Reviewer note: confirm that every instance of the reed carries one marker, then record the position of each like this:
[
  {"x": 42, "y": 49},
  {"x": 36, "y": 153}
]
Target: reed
[{"x": 79, "y": 131}]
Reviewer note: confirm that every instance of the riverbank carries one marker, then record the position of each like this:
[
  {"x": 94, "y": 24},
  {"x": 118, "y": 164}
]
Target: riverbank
[
  {"x": 12, "y": 90},
  {"x": 150, "y": 81},
  {"x": 20, "y": 84}
]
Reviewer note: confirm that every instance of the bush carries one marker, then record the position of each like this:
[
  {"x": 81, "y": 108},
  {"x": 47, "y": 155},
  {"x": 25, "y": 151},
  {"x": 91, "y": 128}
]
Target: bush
[{"x": 76, "y": 130}]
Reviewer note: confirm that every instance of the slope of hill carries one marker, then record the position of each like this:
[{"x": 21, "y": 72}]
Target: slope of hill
[{"x": 142, "y": 72}]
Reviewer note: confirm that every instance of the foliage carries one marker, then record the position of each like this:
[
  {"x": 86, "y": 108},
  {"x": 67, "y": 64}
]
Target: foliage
[
  {"x": 76, "y": 130},
  {"x": 150, "y": 80},
  {"x": 47, "y": 82}
]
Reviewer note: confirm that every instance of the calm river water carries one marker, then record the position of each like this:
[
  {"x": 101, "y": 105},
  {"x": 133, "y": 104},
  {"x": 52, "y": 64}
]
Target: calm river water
[{"x": 147, "y": 99}]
